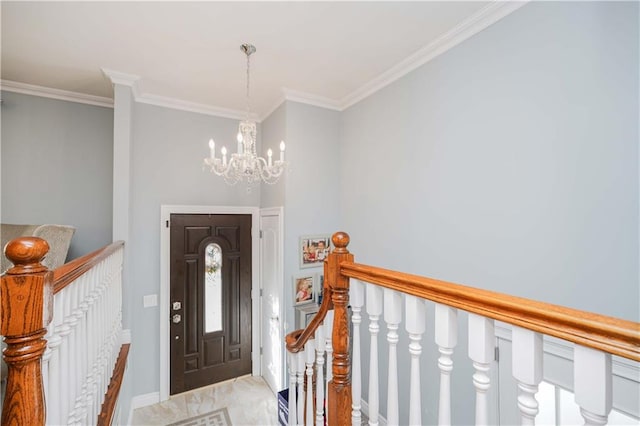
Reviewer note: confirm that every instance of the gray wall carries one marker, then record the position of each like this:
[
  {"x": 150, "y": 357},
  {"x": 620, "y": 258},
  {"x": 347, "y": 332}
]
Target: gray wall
[
  {"x": 57, "y": 159},
  {"x": 274, "y": 130},
  {"x": 508, "y": 163},
  {"x": 312, "y": 187},
  {"x": 168, "y": 147}
]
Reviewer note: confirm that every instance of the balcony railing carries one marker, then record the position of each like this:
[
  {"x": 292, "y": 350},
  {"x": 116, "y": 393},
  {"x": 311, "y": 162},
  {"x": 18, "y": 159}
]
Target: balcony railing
[{"x": 397, "y": 298}]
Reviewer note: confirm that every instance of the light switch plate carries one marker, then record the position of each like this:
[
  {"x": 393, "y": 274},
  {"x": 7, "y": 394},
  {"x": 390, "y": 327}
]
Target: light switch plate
[{"x": 150, "y": 300}]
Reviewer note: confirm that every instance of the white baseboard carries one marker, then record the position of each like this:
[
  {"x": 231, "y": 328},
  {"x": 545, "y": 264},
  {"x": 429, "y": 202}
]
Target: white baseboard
[
  {"x": 143, "y": 400},
  {"x": 365, "y": 409}
]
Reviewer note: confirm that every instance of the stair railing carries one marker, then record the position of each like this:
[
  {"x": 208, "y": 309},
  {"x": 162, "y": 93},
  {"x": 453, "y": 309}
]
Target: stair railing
[
  {"x": 62, "y": 331},
  {"x": 396, "y": 297}
]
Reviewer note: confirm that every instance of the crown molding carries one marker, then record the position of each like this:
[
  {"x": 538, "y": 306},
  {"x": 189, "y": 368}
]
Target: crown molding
[
  {"x": 487, "y": 16},
  {"x": 48, "y": 92},
  {"x": 311, "y": 99},
  {"x": 132, "y": 80},
  {"x": 182, "y": 105},
  {"x": 121, "y": 78}
]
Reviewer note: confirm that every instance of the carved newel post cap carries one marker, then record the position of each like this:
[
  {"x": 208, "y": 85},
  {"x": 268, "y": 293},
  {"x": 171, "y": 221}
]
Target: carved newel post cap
[
  {"x": 340, "y": 242},
  {"x": 26, "y": 253}
]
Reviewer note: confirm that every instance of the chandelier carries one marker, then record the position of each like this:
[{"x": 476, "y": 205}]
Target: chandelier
[{"x": 245, "y": 165}]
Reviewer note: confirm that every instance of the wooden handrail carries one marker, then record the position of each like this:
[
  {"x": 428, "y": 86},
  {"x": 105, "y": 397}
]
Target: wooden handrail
[
  {"x": 105, "y": 418},
  {"x": 69, "y": 272},
  {"x": 612, "y": 335},
  {"x": 298, "y": 338}
]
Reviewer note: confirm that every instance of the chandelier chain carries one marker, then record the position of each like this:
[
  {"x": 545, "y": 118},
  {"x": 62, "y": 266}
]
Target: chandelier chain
[{"x": 248, "y": 82}]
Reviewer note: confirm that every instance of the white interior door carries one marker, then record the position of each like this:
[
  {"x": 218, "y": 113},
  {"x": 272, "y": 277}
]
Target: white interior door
[{"x": 271, "y": 264}]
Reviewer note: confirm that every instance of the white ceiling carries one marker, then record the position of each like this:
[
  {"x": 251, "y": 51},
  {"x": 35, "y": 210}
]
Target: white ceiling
[{"x": 190, "y": 51}]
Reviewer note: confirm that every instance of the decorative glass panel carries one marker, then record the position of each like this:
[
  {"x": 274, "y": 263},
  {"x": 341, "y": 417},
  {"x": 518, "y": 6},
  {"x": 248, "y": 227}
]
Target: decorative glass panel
[{"x": 213, "y": 288}]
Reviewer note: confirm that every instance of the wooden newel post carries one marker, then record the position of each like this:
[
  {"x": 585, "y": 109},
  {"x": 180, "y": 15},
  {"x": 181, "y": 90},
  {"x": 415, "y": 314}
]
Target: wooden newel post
[
  {"x": 339, "y": 390},
  {"x": 26, "y": 298}
]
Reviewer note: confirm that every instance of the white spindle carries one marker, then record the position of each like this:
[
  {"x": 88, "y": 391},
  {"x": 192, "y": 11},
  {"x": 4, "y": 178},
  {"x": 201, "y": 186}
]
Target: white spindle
[
  {"x": 446, "y": 322},
  {"x": 319, "y": 375},
  {"x": 392, "y": 316},
  {"x": 481, "y": 352},
  {"x": 45, "y": 364},
  {"x": 54, "y": 341},
  {"x": 310, "y": 355},
  {"x": 328, "y": 325},
  {"x": 527, "y": 370},
  {"x": 416, "y": 318},
  {"x": 592, "y": 384},
  {"x": 65, "y": 349},
  {"x": 356, "y": 297},
  {"x": 374, "y": 310},
  {"x": 300, "y": 380},
  {"x": 293, "y": 364}
]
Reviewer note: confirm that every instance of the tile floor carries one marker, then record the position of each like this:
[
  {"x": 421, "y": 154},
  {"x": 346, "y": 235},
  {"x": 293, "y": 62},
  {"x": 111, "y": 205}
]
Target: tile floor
[{"x": 248, "y": 399}]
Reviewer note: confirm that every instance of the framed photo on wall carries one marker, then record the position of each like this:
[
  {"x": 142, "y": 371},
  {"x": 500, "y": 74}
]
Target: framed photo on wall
[
  {"x": 314, "y": 249},
  {"x": 304, "y": 289}
]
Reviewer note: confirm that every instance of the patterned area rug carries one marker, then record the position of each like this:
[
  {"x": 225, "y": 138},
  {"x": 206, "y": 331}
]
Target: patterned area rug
[{"x": 218, "y": 417}]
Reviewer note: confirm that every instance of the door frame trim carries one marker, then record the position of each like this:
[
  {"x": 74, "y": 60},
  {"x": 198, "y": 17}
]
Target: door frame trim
[
  {"x": 165, "y": 246},
  {"x": 279, "y": 212}
]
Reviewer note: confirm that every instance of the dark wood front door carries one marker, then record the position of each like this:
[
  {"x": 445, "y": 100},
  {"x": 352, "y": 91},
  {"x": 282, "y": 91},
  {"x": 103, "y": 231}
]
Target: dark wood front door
[{"x": 210, "y": 306}]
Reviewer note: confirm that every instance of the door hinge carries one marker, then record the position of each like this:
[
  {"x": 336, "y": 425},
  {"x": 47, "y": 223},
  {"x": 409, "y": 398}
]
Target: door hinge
[
  {"x": 260, "y": 350},
  {"x": 496, "y": 355},
  {"x": 167, "y": 224},
  {"x": 260, "y": 292},
  {"x": 261, "y": 233}
]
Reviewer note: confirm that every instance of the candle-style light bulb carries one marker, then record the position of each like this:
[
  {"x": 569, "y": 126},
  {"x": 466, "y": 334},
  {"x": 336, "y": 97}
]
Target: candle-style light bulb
[
  {"x": 270, "y": 155},
  {"x": 212, "y": 149},
  {"x": 281, "y": 150},
  {"x": 239, "y": 138},
  {"x": 224, "y": 155}
]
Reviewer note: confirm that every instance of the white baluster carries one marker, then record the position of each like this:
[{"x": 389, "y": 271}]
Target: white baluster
[
  {"x": 300, "y": 380},
  {"x": 45, "y": 364},
  {"x": 592, "y": 384},
  {"x": 54, "y": 342},
  {"x": 293, "y": 365},
  {"x": 356, "y": 297},
  {"x": 64, "y": 332},
  {"x": 446, "y": 319},
  {"x": 310, "y": 355},
  {"x": 374, "y": 310},
  {"x": 481, "y": 352},
  {"x": 416, "y": 319},
  {"x": 328, "y": 325},
  {"x": 527, "y": 370},
  {"x": 319, "y": 375},
  {"x": 392, "y": 316}
]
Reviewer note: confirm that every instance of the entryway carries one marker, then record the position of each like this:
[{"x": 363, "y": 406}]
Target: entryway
[
  {"x": 253, "y": 322},
  {"x": 210, "y": 299}
]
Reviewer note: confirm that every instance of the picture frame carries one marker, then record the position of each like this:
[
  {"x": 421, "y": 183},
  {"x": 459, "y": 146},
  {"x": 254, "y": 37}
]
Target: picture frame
[
  {"x": 314, "y": 249},
  {"x": 304, "y": 289}
]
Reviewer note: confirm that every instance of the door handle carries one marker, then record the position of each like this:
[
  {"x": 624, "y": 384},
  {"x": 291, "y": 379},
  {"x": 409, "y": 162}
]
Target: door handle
[
  {"x": 176, "y": 318},
  {"x": 275, "y": 318}
]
